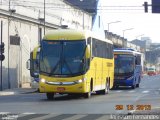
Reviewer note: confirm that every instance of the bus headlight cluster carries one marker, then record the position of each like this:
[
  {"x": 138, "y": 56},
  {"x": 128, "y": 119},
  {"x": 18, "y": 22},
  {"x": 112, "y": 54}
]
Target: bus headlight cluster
[
  {"x": 43, "y": 80},
  {"x": 80, "y": 80}
]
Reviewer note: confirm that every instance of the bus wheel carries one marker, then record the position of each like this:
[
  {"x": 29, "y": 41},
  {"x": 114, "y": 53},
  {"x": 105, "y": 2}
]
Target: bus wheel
[
  {"x": 50, "y": 96},
  {"x": 134, "y": 86},
  {"x": 116, "y": 87},
  {"x": 87, "y": 95},
  {"x": 137, "y": 85}
]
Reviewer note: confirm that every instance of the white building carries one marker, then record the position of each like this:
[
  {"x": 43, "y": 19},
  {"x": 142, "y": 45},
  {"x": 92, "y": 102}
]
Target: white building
[{"x": 24, "y": 20}]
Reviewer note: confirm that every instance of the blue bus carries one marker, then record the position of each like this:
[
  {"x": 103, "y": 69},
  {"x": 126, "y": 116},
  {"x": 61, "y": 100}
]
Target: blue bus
[{"x": 128, "y": 68}]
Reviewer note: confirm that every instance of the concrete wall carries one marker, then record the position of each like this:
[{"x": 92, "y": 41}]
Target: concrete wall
[
  {"x": 57, "y": 12},
  {"x": 25, "y": 23},
  {"x": 98, "y": 27},
  {"x": 14, "y": 66}
]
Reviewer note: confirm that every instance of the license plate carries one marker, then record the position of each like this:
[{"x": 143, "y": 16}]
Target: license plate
[{"x": 60, "y": 88}]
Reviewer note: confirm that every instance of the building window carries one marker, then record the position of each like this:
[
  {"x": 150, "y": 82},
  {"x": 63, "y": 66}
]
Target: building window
[
  {"x": 39, "y": 34},
  {"x": 14, "y": 40}
]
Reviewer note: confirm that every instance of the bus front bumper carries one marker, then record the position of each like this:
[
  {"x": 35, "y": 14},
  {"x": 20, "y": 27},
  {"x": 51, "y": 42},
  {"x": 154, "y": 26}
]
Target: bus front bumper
[
  {"x": 70, "y": 88},
  {"x": 123, "y": 82}
]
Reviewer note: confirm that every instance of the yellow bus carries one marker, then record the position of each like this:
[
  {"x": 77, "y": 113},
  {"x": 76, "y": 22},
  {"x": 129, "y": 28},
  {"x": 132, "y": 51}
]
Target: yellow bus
[{"x": 75, "y": 62}]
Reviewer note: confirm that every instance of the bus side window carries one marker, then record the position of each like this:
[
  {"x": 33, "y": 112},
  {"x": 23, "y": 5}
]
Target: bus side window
[
  {"x": 138, "y": 60},
  {"x": 135, "y": 60},
  {"x": 94, "y": 48}
]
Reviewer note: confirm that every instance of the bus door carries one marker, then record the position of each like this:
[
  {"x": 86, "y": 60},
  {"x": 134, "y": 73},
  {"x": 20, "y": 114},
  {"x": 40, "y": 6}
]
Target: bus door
[{"x": 138, "y": 68}]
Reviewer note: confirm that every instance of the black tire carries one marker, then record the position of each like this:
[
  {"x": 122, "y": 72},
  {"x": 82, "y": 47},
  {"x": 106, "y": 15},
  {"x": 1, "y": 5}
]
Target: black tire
[
  {"x": 50, "y": 96},
  {"x": 134, "y": 86},
  {"x": 137, "y": 85},
  {"x": 115, "y": 87},
  {"x": 87, "y": 95}
]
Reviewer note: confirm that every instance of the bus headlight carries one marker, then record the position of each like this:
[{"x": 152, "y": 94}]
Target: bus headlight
[
  {"x": 43, "y": 80},
  {"x": 130, "y": 78},
  {"x": 80, "y": 80}
]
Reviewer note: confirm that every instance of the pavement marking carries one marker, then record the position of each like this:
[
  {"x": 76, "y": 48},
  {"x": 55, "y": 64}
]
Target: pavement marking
[
  {"x": 156, "y": 108},
  {"x": 7, "y": 93},
  {"x": 2, "y": 113},
  {"x": 119, "y": 91},
  {"x": 25, "y": 114},
  {"x": 75, "y": 117},
  {"x": 131, "y": 91},
  {"x": 46, "y": 117},
  {"x": 119, "y": 111},
  {"x": 132, "y": 111},
  {"x": 30, "y": 116},
  {"x": 104, "y": 117},
  {"x": 142, "y": 87},
  {"x": 146, "y": 91}
]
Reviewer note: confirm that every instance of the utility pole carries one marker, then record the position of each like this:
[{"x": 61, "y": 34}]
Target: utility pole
[
  {"x": 146, "y": 7},
  {"x": 9, "y": 44},
  {"x": 11, "y": 11},
  {"x": 44, "y": 15},
  {"x": 1, "y": 55}
]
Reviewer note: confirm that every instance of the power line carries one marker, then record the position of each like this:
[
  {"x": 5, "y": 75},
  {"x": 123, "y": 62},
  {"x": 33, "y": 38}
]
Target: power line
[
  {"x": 57, "y": 7},
  {"x": 22, "y": 2}
]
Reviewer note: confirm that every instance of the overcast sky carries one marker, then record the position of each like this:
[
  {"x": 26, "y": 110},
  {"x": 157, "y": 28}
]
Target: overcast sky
[{"x": 131, "y": 14}]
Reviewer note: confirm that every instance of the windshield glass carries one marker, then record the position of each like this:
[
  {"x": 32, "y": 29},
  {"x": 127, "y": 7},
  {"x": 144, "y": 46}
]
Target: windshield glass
[
  {"x": 124, "y": 64},
  {"x": 62, "y": 57}
]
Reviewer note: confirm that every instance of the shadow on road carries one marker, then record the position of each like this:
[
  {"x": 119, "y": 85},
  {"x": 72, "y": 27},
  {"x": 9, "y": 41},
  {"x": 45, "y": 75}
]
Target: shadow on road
[
  {"x": 67, "y": 97},
  {"x": 122, "y": 88}
]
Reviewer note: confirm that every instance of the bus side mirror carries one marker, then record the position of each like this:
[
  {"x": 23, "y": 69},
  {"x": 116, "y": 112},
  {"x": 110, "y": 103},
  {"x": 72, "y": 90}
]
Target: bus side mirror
[
  {"x": 36, "y": 75},
  {"x": 28, "y": 64},
  {"x": 88, "y": 53}
]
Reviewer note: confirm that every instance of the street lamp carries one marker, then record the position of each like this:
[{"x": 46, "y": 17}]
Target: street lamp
[
  {"x": 127, "y": 30},
  {"x": 112, "y": 23}
]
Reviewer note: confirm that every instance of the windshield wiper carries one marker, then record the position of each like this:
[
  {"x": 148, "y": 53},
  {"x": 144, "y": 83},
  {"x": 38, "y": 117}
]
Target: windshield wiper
[
  {"x": 53, "y": 70},
  {"x": 68, "y": 66}
]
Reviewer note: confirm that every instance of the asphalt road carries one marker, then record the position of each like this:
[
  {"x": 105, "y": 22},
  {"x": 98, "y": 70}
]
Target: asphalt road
[{"x": 139, "y": 100}]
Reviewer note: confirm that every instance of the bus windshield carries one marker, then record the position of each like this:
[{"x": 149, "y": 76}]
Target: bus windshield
[
  {"x": 62, "y": 57},
  {"x": 124, "y": 64}
]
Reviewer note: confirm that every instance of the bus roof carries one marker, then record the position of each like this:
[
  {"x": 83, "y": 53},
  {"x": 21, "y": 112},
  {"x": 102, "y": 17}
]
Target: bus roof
[
  {"x": 71, "y": 34},
  {"x": 126, "y": 51}
]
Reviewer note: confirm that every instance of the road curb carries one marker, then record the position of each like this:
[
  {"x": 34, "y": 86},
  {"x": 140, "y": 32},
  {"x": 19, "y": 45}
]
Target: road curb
[{"x": 20, "y": 91}]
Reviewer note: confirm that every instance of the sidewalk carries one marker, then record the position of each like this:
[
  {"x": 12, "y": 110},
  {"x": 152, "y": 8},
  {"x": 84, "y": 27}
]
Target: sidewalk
[{"x": 16, "y": 91}]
